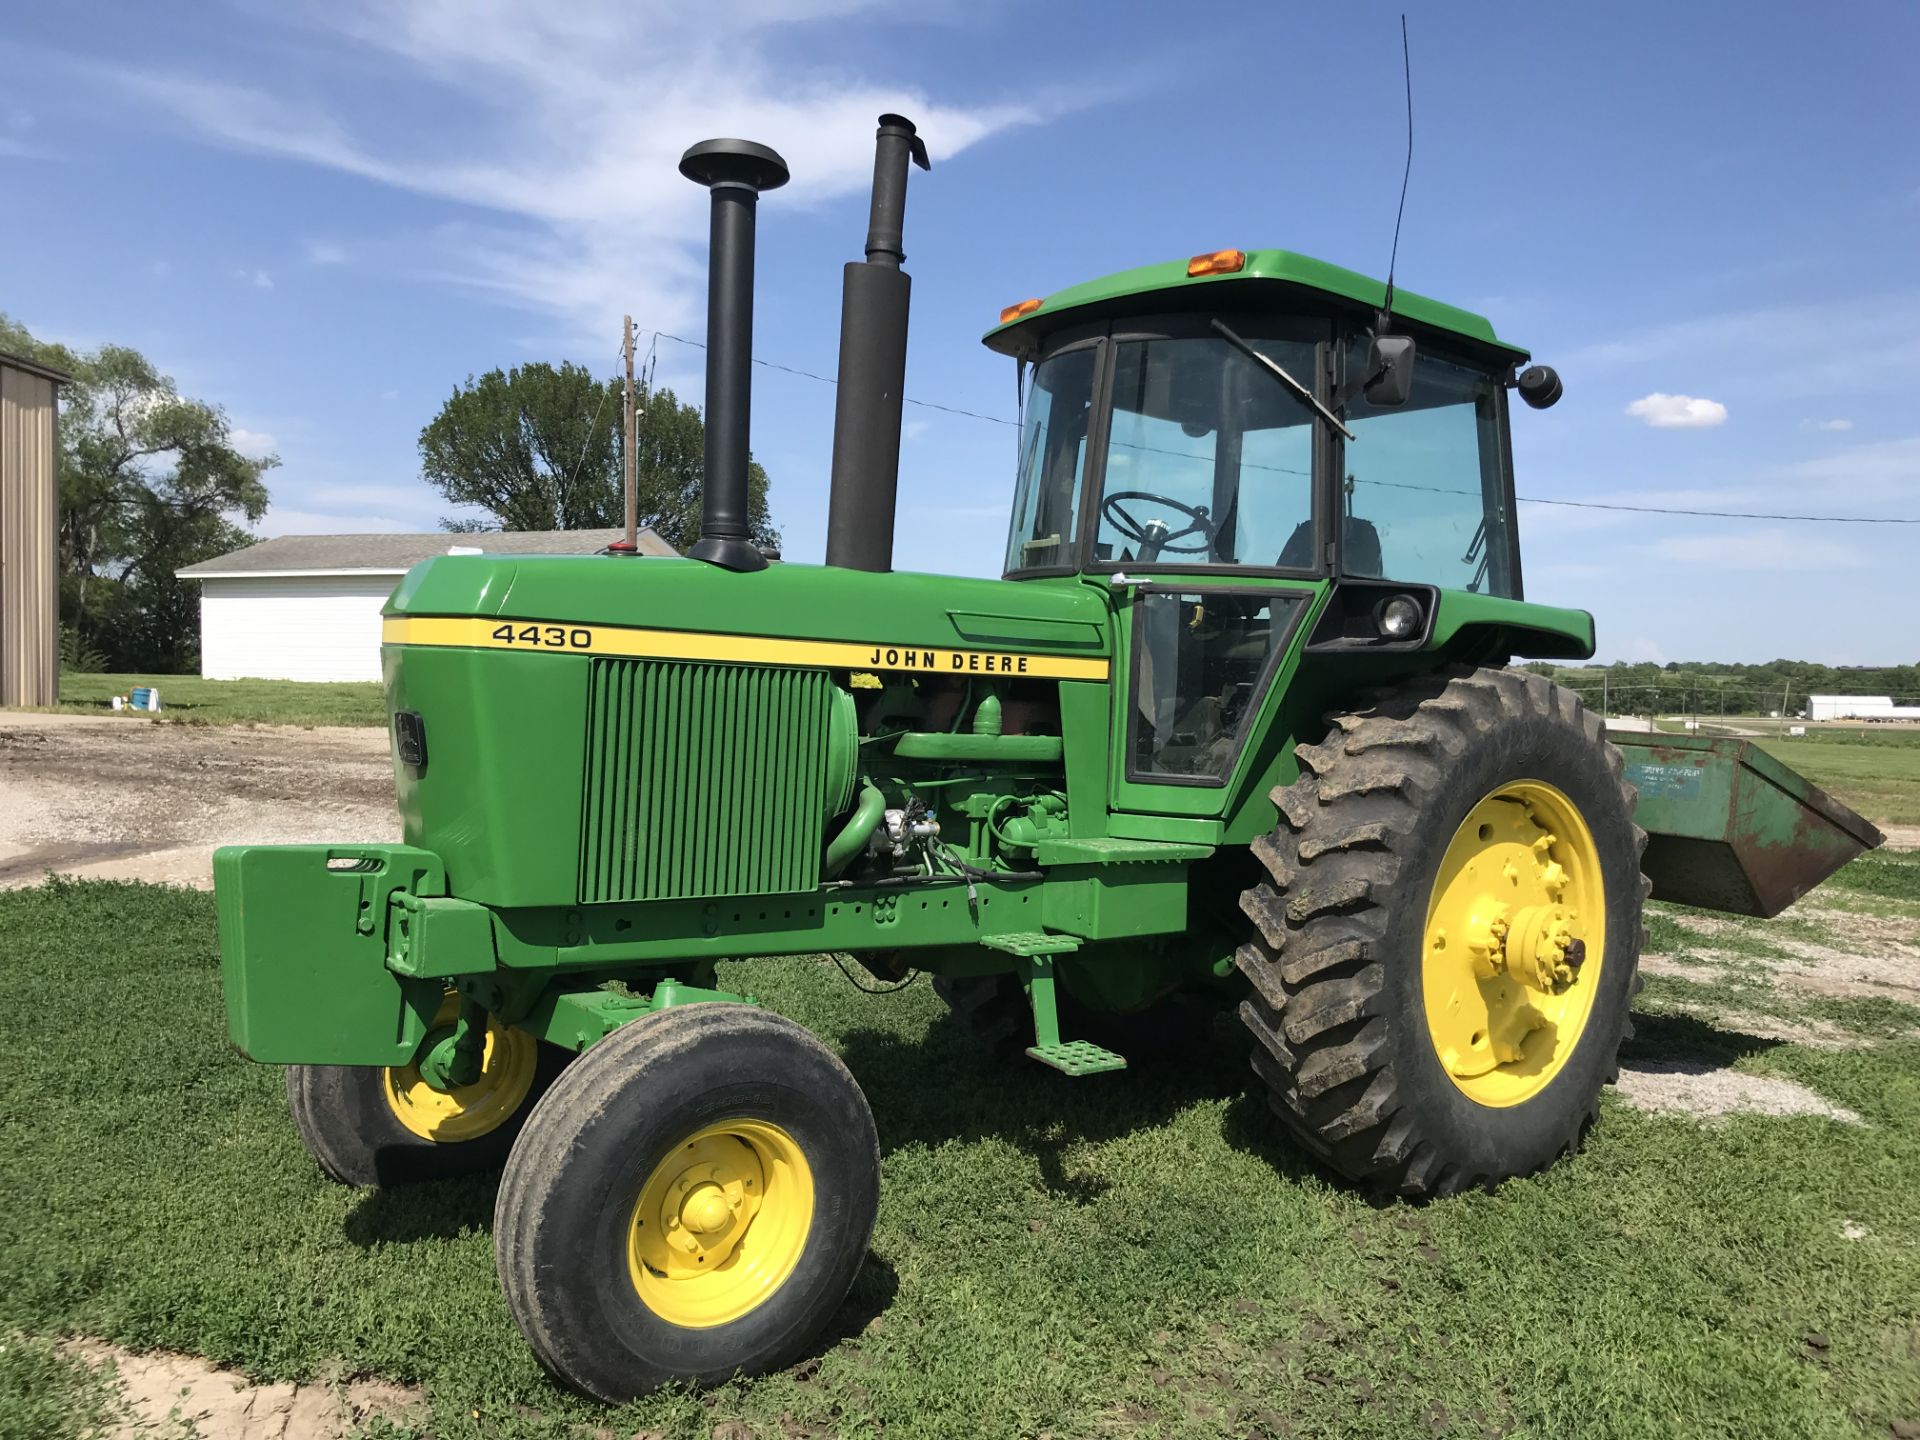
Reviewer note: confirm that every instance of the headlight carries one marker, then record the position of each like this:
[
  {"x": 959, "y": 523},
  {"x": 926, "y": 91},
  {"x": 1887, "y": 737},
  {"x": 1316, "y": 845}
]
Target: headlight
[{"x": 1397, "y": 617}]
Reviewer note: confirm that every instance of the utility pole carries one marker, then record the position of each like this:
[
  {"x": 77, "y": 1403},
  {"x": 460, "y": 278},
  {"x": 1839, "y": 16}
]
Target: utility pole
[{"x": 633, "y": 502}]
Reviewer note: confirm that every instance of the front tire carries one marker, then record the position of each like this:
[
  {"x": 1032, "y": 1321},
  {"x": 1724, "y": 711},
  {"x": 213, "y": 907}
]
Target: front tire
[
  {"x": 1446, "y": 943},
  {"x": 374, "y": 1125},
  {"x": 692, "y": 1200}
]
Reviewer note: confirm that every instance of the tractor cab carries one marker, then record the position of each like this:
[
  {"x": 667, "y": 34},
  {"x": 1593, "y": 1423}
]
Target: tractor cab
[
  {"x": 1242, "y": 444},
  {"x": 1232, "y": 420}
]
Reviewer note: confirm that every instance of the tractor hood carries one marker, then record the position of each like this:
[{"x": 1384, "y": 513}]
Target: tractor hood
[{"x": 682, "y": 609}]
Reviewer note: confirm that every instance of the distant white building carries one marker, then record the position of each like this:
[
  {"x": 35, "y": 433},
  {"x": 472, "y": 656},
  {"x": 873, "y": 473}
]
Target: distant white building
[
  {"x": 1859, "y": 707},
  {"x": 307, "y": 607}
]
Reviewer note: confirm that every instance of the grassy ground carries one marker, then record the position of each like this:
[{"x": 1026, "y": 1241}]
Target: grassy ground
[
  {"x": 47, "y": 1396},
  {"x": 1878, "y": 775},
  {"x": 190, "y": 700},
  {"x": 1138, "y": 1253}
]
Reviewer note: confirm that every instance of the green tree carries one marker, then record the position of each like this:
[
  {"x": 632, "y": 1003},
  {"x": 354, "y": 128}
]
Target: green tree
[
  {"x": 149, "y": 482},
  {"x": 539, "y": 448}
]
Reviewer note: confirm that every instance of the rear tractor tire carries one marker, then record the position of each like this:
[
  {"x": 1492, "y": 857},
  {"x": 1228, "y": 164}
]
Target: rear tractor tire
[
  {"x": 692, "y": 1200},
  {"x": 1447, "y": 937},
  {"x": 384, "y": 1125}
]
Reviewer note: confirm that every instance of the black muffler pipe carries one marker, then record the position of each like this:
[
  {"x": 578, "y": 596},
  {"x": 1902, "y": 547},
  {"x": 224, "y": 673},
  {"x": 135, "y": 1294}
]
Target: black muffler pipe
[
  {"x": 735, "y": 171},
  {"x": 873, "y": 366}
]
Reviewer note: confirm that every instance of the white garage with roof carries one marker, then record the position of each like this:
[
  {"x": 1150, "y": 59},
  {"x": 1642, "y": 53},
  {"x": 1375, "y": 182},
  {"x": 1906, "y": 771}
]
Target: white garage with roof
[{"x": 307, "y": 607}]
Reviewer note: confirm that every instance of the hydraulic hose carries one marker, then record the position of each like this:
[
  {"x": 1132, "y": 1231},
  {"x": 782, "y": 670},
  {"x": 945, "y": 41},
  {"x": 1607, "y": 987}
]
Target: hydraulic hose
[{"x": 857, "y": 831}]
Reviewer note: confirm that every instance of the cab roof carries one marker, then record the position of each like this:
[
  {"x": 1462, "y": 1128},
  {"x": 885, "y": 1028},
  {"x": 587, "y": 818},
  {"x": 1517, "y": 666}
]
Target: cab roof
[{"x": 1265, "y": 270}]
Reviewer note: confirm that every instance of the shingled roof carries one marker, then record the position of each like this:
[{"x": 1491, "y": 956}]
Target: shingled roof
[{"x": 397, "y": 554}]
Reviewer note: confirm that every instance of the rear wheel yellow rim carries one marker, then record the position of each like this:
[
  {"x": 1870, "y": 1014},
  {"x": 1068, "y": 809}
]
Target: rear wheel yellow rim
[
  {"x": 1515, "y": 940},
  {"x": 466, "y": 1112},
  {"x": 721, "y": 1223}
]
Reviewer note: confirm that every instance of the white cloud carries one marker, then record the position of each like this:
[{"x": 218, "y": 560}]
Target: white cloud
[
  {"x": 566, "y": 123},
  {"x": 1832, "y": 426},
  {"x": 1643, "y": 651},
  {"x": 1858, "y": 478},
  {"x": 252, "y": 443},
  {"x": 15, "y": 125},
  {"x": 1678, "y": 412},
  {"x": 259, "y": 279},
  {"x": 325, "y": 252},
  {"x": 1781, "y": 353},
  {"x": 1776, "y": 549},
  {"x": 391, "y": 395},
  {"x": 307, "y": 522}
]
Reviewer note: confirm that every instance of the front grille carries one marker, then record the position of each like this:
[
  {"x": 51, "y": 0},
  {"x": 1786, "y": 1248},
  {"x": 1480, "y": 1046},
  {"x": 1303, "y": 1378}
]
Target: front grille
[{"x": 702, "y": 780}]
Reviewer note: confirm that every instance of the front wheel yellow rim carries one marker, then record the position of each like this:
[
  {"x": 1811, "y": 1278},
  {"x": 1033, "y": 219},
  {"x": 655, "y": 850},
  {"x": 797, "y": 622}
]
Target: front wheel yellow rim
[
  {"x": 1515, "y": 941},
  {"x": 465, "y": 1112},
  {"x": 721, "y": 1223}
]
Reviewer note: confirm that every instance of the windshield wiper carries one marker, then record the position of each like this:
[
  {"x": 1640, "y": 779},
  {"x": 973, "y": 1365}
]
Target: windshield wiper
[{"x": 1279, "y": 372}]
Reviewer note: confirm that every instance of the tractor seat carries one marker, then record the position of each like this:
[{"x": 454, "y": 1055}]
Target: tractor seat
[{"x": 1360, "y": 552}]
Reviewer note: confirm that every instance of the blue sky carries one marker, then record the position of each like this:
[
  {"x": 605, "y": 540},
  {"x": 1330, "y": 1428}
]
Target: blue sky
[{"x": 324, "y": 216}]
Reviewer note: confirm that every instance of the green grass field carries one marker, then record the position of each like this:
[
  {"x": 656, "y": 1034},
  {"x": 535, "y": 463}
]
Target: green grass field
[
  {"x": 1879, "y": 776},
  {"x": 187, "y": 699},
  {"x": 1131, "y": 1254}
]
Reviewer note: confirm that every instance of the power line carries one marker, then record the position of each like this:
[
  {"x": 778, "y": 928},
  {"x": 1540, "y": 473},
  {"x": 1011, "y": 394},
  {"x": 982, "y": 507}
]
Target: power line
[
  {"x": 829, "y": 380},
  {"x": 1390, "y": 484},
  {"x": 1657, "y": 509},
  {"x": 1729, "y": 514}
]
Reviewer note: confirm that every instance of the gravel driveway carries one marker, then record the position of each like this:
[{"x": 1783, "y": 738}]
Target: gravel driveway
[{"x": 126, "y": 799}]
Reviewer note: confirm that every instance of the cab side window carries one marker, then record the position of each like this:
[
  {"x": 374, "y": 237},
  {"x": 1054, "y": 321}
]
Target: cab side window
[{"x": 1425, "y": 487}]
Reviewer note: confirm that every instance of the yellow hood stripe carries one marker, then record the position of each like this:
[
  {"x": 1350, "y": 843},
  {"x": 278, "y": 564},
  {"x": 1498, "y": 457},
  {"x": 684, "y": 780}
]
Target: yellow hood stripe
[{"x": 559, "y": 638}]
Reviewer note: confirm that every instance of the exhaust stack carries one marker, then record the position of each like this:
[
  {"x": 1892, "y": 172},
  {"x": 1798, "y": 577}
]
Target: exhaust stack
[
  {"x": 735, "y": 171},
  {"x": 873, "y": 366}
]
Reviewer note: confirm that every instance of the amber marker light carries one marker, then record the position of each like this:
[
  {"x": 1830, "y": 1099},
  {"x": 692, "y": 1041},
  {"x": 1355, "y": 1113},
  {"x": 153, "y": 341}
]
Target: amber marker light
[
  {"x": 1217, "y": 262},
  {"x": 1014, "y": 312}
]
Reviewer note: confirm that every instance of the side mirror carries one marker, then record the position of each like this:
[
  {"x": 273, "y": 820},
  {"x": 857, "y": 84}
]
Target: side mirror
[
  {"x": 1539, "y": 386},
  {"x": 1389, "y": 371}
]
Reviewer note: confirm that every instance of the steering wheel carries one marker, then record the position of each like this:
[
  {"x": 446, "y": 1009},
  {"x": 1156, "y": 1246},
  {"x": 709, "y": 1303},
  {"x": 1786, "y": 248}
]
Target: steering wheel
[{"x": 1112, "y": 511}]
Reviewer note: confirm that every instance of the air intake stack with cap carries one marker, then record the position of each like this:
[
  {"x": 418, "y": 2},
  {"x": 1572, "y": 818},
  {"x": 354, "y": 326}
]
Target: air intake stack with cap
[{"x": 735, "y": 171}]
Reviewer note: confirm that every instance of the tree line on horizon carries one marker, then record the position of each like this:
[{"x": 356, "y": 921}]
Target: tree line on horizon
[{"x": 1709, "y": 685}]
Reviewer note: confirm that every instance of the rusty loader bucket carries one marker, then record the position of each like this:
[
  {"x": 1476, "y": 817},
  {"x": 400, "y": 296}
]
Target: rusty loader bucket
[{"x": 1730, "y": 828}]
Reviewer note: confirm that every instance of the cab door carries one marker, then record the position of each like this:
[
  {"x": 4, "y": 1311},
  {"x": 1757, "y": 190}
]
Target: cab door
[{"x": 1206, "y": 500}]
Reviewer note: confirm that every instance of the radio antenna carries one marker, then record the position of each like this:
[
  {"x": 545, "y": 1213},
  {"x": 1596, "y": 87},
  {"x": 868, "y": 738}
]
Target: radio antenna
[{"x": 1406, "y": 62}]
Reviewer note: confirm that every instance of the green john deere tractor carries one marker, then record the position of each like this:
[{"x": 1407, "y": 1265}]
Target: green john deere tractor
[{"x": 1235, "y": 729}]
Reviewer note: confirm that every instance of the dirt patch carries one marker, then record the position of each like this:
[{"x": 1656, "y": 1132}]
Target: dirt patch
[
  {"x": 1877, "y": 963},
  {"x": 1898, "y": 930},
  {"x": 1709, "y": 1091},
  {"x": 1813, "y": 1032},
  {"x": 169, "y": 1393},
  {"x": 110, "y": 799},
  {"x": 1653, "y": 963},
  {"x": 1902, "y": 837}
]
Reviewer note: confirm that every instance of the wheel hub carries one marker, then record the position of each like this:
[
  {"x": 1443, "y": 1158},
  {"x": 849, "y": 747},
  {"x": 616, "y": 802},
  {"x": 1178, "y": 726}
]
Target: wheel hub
[
  {"x": 424, "y": 1099},
  {"x": 707, "y": 1206},
  {"x": 720, "y": 1223},
  {"x": 1515, "y": 906}
]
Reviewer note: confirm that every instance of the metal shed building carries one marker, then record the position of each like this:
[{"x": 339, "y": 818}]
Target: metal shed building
[
  {"x": 29, "y": 516},
  {"x": 307, "y": 607}
]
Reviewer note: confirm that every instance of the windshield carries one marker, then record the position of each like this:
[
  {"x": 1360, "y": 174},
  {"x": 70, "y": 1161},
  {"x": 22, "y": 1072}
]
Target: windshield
[
  {"x": 1209, "y": 457},
  {"x": 1426, "y": 482},
  {"x": 1209, "y": 461}
]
